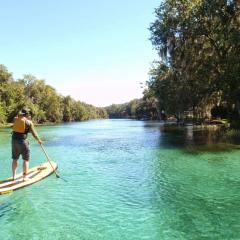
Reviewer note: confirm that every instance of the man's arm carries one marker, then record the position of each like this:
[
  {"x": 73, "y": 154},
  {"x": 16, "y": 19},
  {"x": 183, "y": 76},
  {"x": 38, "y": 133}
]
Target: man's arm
[{"x": 34, "y": 133}]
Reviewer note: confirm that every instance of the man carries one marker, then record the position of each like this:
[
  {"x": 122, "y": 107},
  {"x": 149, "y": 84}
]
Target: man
[{"x": 20, "y": 145}]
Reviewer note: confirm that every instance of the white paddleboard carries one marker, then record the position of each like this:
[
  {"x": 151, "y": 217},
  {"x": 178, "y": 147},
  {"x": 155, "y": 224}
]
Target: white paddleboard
[{"x": 35, "y": 174}]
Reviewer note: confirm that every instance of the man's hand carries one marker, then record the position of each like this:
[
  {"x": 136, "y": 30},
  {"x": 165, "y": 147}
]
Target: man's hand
[{"x": 40, "y": 141}]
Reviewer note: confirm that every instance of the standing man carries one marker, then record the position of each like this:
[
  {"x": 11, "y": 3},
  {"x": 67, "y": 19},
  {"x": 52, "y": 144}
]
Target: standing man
[{"x": 20, "y": 144}]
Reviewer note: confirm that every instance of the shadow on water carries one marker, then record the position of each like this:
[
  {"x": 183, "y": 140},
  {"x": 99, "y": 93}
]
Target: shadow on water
[{"x": 193, "y": 139}]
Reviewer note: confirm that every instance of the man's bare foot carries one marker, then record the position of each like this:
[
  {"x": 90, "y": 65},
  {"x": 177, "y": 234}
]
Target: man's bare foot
[{"x": 25, "y": 178}]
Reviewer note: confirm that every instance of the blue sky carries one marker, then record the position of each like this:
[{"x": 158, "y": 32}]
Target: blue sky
[{"x": 96, "y": 51}]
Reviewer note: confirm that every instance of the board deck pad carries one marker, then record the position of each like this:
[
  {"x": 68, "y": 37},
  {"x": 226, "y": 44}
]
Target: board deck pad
[{"x": 35, "y": 174}]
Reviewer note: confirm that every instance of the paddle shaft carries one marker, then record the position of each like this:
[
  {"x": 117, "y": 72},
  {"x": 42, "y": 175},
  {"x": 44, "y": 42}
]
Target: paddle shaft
[{"x": 49, "y": 160}]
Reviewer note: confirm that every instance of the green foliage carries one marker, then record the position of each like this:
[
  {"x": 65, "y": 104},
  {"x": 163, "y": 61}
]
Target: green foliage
[
  {"x": 199, "y": 47},
  {"x": 2, "y": 114},
  {"x": 5, "y": 76},
  {"x": 43, "y": 100},
  {"x": 145, "y": 108}
]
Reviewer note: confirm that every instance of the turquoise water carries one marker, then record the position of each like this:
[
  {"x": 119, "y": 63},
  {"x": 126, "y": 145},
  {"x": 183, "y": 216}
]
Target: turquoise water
[{"x": 126, "y": 180}]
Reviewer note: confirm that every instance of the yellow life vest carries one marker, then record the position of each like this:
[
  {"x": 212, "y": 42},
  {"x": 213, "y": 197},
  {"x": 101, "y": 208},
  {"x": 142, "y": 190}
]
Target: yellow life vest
[{"x": 19, "y": 125}]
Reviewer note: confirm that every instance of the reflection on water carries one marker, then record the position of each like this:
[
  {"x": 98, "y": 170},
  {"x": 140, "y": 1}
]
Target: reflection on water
[
  {"x": 185, "y": 136},
  {"x": 193, "y": 138},
  {"x": 196, "y": 184}
]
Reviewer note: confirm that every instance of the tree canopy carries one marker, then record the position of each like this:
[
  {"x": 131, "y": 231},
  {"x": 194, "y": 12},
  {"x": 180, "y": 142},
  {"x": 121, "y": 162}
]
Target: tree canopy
[
  {"x": 144, "y": 108},
  {"x": 42, "y": 99},
  {"x": 198, "y": 42}
]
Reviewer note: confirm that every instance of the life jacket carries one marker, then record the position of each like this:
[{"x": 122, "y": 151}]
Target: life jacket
[{"x": 21, "y": 127}]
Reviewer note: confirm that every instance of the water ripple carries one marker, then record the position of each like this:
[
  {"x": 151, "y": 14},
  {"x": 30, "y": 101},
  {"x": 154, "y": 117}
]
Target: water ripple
[{"x": 126, "y": 180}]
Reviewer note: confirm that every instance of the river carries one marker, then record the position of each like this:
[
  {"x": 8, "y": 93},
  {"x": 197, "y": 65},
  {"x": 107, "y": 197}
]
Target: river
[{"x": 126, "y": 180}]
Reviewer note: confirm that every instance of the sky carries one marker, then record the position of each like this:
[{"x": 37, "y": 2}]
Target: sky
[{"x": 95, "y": 51}]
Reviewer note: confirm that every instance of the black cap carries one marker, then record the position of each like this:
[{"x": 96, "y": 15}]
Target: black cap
[{"x": 24, "y": 112}]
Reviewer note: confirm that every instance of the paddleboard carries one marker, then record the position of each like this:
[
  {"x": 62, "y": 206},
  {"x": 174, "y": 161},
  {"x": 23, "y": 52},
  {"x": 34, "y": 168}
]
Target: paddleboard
[{"x": 34, "y": 175}]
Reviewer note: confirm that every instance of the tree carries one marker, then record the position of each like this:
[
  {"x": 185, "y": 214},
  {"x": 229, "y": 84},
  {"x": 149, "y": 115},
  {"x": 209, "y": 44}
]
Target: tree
[
  {"x": 42, "y": 99},
  {"x": 198, "y": 42},
  {"x": 5, "y": 76}
]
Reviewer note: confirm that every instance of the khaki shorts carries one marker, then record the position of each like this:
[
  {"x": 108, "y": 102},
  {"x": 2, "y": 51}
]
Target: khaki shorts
[{"x": 20, "y": 147}]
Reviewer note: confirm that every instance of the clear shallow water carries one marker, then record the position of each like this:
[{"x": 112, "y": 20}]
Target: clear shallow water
[{"x": 126, "y": 180}]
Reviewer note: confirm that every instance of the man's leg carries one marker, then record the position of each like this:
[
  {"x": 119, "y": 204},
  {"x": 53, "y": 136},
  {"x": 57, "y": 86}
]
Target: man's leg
[
  {"x": 14, "y": 168},
  {"x": 25, "y": 169},
  {"x": 25, "y": 157}
]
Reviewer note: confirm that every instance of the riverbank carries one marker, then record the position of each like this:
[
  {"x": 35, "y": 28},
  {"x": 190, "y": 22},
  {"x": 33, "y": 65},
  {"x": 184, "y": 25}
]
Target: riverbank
[{"x": 9, "y": 125}]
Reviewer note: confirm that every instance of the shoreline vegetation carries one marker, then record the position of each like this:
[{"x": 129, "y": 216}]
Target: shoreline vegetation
[
  {"x": 46, "y": 105},
  {"x": 197, "y": 74},
  {"x": 196, "y": 78}
]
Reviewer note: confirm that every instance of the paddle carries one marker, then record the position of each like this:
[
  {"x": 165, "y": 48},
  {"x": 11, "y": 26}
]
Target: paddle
[{"x": 57, "y": 175}]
